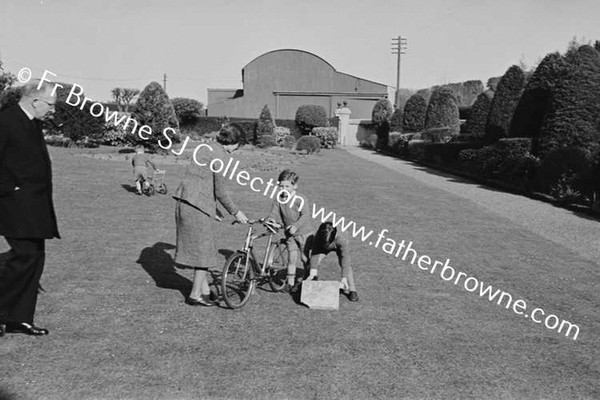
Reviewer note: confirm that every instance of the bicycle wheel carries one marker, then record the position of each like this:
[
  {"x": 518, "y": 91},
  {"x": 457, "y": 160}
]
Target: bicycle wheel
[
  {"x": 278, "y": 260},
  {"x": 238, "y": 280}
]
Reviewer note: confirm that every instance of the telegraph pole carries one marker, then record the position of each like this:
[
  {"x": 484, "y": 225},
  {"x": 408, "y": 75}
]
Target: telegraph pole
[
  {"x": 165, "y": 82},
  {"x": 399, "y": 45}
]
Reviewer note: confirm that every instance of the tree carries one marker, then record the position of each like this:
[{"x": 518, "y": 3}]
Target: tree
[
  {"x": 6, "y": 79},
  {"x": 573, "y": 117},
  {"x": 414, "y": 114},
  {"x": 504, "y": 104},
  {"x": 187, "y": 110},
  {"x": 154, "y": 109},
  {"x": 442, "y": 111},
  {"x": 265, "y": 129},
  {"x": 123, "y": 97},
  {"x": 73, "y": 122}
]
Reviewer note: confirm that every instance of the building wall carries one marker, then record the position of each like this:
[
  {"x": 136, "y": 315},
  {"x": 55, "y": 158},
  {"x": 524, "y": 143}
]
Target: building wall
[{"x": 287, "y": 79}]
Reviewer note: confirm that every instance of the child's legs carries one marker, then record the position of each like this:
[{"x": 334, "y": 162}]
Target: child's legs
[
  {"x": 294, "y": 246},
  {"x": 347, "y": 273}
]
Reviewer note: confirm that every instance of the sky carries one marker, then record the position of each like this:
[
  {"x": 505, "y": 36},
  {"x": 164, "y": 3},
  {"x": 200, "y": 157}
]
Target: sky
[{"x": 201, "y": 44}]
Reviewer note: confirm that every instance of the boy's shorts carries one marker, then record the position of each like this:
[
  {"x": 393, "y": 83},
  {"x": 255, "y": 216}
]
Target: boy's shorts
[{"x": 140, "y": 173}]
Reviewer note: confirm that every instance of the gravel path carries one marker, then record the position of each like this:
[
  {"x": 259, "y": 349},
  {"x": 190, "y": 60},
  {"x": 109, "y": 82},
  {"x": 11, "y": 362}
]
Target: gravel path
[{"x": 580, "y": 233}]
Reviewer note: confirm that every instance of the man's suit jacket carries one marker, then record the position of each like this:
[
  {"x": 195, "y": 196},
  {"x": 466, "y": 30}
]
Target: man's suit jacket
[{"x": 24, "y": 162}]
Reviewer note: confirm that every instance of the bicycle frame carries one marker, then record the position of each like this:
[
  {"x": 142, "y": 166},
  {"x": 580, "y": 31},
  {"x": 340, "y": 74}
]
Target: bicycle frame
[{"x": 249, "y": 249}]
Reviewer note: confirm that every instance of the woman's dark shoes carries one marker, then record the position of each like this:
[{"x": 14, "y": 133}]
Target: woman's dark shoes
[
  {"x": 202, "y": 301},
  {"x": 23, "y": 327}
]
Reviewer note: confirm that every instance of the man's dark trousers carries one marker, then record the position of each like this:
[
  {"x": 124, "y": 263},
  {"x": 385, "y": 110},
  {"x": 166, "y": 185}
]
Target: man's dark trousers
[{"x": 20, "y": 278}]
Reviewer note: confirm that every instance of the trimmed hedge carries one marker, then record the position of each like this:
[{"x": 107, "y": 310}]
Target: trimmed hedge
[
  {"x": 414, "y": 114},
  {"x": 10, "y": 97},
  {"x": 504, "y": 104},
  {"x": 572, "y": 166}
]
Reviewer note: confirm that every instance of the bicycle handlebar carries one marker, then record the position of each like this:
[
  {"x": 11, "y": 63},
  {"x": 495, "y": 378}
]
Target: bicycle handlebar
[{"x": 263, "y": 221}]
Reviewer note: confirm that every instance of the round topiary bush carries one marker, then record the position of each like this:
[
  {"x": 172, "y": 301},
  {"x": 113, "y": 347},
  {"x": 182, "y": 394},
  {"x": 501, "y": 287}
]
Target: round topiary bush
[
  {"x": 311, "y": 144},
  {"x": 289, "y": 142},
  {"x": 442, "y": 111},
  {"x": 310, "y": 116},
  {"x": 155, "y": 110},
  {"x": 573, "y": 118},
  {"x": 413, "y": 119},
  {"x": 504, "y": 104}
]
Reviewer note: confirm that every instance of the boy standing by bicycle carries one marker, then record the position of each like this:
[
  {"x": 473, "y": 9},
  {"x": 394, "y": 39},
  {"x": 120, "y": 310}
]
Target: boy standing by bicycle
[
  {"x": 140, "y": 163},
  {"x": 295, "y": 222}
]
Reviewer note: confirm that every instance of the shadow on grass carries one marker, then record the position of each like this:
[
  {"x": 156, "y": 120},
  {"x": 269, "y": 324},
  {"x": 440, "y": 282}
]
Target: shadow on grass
[
  {"x": 160, "y": 266},
  {"x": 6, "y": 395},
  {"x": 129, "y": 188}
]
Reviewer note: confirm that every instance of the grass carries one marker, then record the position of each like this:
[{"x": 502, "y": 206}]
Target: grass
[{"x": 120, "y": 329}]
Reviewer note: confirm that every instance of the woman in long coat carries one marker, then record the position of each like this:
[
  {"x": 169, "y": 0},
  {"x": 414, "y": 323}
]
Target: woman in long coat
[{"x": 196, "y": 213}]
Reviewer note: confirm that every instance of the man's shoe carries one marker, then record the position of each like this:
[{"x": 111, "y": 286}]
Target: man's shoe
[
  {"x": 353, "y": 296},
  {"x": 23, "y": 327},
  {"x": 2, "y": 329},
  {"x": 202, "y": 301}
]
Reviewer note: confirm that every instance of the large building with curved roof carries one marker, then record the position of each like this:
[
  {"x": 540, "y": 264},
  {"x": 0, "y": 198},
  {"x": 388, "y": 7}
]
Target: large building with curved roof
[{"x": 286, "y": 79}]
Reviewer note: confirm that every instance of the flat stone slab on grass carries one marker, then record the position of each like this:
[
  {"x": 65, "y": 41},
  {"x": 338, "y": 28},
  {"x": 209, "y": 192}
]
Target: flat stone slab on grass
[{"x": 321, "y": 295}]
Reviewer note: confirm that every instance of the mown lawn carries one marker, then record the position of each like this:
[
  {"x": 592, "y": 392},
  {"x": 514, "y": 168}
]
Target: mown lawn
[{"x": 119, "y": 327}]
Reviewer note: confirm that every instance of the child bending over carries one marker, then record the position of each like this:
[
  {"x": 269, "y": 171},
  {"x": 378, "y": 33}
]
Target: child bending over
[
  {"x": 140, "y": 162},
  {"x": 288, "y": 208},
  {"x": 326, "y": 240}
]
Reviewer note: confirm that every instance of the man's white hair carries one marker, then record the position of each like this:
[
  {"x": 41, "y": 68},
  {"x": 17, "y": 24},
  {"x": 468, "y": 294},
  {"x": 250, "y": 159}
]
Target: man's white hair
[{"x": 30, "y": 89}]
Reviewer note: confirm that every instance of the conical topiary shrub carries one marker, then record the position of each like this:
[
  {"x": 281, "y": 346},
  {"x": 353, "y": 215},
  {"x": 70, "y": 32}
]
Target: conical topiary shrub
[
  {"x": 265, "y": 129},
  {"x": 535, "y": 101},
  {"x": 475, "y": 125},
  {"x": 504, "y": 104}
]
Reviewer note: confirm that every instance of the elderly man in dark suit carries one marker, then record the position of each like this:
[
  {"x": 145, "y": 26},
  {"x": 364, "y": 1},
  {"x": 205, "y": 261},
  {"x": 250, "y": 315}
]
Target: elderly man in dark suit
[{"x": 27, "y": 215}]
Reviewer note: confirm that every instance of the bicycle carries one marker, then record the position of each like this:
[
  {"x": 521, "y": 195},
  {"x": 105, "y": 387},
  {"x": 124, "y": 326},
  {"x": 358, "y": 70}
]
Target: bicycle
[{"x": 242, "y": 271}]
